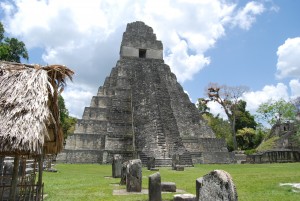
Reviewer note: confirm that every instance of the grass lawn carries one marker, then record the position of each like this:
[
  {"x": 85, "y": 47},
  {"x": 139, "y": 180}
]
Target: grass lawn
[{"x": 258, "y": 182}]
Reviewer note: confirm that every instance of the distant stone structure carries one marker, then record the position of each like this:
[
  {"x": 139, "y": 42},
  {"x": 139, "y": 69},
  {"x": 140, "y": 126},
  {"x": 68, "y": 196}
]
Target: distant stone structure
[
  {"x": 142, "y": 111},
  {"x": 285, "y": 150}
]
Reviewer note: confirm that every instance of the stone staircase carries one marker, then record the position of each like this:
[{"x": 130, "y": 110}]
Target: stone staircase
[
  {"x": 186, "y": 159},
  {"x": 161, "y": 140},
  {"x": 143, "y": 158},
  {"x": 159, "y": 162},
  {"x": 163, "y": 162}
]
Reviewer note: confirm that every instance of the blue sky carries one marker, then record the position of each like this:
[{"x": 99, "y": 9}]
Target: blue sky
[{"x": 232, "y": 42}]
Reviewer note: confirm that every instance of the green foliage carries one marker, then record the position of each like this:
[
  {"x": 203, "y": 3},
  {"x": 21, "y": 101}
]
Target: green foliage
[
  {"x": 67, "y": 122},
  {"x": 245, "y": 138},
  {"x": 1, "y": 31},
  {"x": 202, "y": 106},
  {"x": 244, "y": 119},
  {"x": 11, "y": 49},
  {"x": 261, "y": 134},
  {"x": 297, "y": 135},
  {"x": 220, "y": 127},
  {"x": 267, "y": 144},
  {"x": 250, "y": 151},
  {"x": 273, "y": 112},
  {"x": 89, "y": 182},
  {"x": 249, "y": 139},
  {"x": 296, "y": 102}
]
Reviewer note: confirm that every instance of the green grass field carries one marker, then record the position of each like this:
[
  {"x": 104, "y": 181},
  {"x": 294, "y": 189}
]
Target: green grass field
[{"x": 258, "y": 182}]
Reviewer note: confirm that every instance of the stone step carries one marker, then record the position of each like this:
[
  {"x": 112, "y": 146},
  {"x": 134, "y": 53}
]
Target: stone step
[
  {"x": 144, "y": 158},
  {"x": 163, "y": 162}
]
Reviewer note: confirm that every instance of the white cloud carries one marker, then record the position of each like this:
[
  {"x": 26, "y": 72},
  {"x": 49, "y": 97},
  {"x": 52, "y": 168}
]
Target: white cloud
[
  {"x": 86, "y": 35},
  {"x": 76, "y": 98},
  {"x": 216, "y": 109},
  {"x": 255, "y": 98},
  {"x": 295, "y": 88},
  {"x": 246, "y": 16},
  {"x": 288, "y": 64}
]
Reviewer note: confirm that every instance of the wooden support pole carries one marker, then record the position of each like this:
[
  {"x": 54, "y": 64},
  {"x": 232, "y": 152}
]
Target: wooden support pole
[
  {"x": 40, "y": 179},
  {"x": 1, "y": 168},
  {"x": 14, "y": 182},
  {"x": 1, "y": 164}
]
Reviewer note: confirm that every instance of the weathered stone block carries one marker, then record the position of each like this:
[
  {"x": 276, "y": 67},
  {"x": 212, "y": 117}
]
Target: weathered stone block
[
  {"x": 150, "y": 163},
  {"x": 117, "y": 166},
  {"x": 134, "y": 176},
  {"x": 184, "y": 197},
  {"x": 175, "y": 161},
  {"x": 199, "y": 182},
  {"x": 168, "y": 186},
  {"x": 123, "y": 173},
  {"x": 179, "y": 168},
  {"x": 154, "y": 187},
  {"x": 216, "y": 186}
]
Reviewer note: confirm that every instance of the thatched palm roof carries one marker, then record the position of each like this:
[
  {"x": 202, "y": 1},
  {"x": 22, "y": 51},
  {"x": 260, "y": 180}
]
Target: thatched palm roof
[{"x": 29, "y": 114}]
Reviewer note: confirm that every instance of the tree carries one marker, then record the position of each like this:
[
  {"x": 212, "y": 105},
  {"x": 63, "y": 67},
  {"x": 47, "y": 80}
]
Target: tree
[
  {"x": 245, "y": 138},
  {"x": 228, "y": 97},
  {"x": 11, "y": 49},
  {"x": 244, "y": 119},
  {"x": 276, "y": 111},
  {"x": 248, "y": 138},
  {"x": 202, "y": 106},
  {"x": 220, "y": 127},
  {"x": 67, "y": 122},
  {"x": 296, "y": 102}
]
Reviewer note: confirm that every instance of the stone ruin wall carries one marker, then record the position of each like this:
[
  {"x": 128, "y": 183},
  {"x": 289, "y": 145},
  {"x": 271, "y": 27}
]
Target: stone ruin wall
[{"x": 144, "y": 39}]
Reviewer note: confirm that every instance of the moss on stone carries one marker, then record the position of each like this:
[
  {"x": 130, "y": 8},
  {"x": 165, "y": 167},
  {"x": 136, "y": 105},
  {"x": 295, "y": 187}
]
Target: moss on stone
[{"x": 268, "y": 144}]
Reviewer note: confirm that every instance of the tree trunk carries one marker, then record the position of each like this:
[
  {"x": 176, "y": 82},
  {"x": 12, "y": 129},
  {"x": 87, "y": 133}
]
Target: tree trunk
[
  {"x": 233, "y": 133},
  {"x": 14, "y": 181}
]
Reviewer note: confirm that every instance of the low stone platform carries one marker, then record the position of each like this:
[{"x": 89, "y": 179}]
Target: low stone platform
[
  {"x": 184, "y": 197},
  {"x": 179, "y": 168},
  {"x": 144, "y": 191},
  {"x": 168, "y": 187}
]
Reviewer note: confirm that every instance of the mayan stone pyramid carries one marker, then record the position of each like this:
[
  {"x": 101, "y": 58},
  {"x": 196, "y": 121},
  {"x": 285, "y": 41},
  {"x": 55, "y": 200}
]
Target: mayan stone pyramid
[{"x": 142, "y": 111}]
